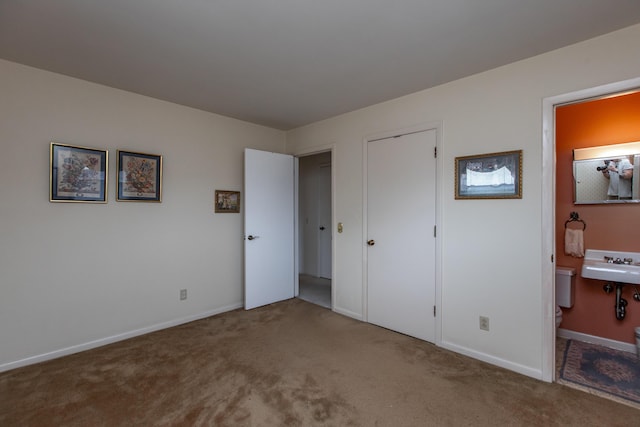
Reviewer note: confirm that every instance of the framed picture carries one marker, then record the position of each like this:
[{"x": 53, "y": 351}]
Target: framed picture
[
  {"x": 139, "y": 177},
  {"x": 227, "y": 201},
  {"x": 489, "y": 176},
  {"x": 78, "y": 174}
]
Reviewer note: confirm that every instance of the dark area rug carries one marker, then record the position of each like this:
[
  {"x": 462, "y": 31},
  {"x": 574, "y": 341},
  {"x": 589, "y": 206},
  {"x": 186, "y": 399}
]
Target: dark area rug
[{"x": 603, "y": 371}]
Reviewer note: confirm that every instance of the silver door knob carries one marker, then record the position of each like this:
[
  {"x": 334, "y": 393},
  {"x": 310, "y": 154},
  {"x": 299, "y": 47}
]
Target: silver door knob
[{"x": 371, "y": 242}]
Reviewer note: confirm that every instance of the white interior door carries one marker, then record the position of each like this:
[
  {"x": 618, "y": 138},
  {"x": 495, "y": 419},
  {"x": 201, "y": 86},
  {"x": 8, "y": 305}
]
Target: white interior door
[
  {"x": 324, "y": 221},
  {"x": 269, "y": 228},
  {"x": 401, "y": 216}
]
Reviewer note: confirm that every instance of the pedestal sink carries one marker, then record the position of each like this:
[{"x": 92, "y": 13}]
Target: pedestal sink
[{"x": 616, "y": 269}]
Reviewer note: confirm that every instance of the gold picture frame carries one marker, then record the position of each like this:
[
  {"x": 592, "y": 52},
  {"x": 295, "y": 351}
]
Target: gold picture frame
[
  {"x": 489, "y": 176},
  {"x": 227, "y": 201}
]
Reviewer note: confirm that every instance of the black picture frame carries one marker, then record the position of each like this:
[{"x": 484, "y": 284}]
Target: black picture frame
[
  {"x": 78, "y": 174},
  {"x": 139, "y": 177}
]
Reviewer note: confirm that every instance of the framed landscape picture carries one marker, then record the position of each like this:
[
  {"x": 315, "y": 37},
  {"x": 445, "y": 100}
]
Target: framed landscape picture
[
  {"x": 77, "y": 174},
  {"x": 489, "y": 176},
  {"x": 139, "y": 177},
  {"x": 227, "y": 201}
]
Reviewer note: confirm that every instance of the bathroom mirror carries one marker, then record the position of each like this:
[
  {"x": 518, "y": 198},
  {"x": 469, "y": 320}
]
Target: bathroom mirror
[{"x": 607, "y": 174}]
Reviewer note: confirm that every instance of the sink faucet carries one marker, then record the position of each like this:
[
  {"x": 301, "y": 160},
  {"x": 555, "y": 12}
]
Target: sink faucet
[{"x": 612, "y": 260}]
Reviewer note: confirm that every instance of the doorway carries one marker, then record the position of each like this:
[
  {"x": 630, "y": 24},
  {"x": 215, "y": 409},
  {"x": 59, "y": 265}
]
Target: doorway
[
  {"x": 549, "y": 205},
  {"x": 315, "y": 229}
]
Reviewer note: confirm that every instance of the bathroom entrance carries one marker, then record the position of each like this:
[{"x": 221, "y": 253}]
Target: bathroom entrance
[{"x": 602, "y": 116}]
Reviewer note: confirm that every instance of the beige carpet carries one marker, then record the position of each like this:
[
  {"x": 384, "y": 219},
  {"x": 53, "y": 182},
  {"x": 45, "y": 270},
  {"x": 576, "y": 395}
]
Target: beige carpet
[{"x": 288, "y": 364}]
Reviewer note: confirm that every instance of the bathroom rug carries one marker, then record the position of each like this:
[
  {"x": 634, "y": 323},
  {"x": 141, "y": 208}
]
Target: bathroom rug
[{"x": 603, "y": 371}]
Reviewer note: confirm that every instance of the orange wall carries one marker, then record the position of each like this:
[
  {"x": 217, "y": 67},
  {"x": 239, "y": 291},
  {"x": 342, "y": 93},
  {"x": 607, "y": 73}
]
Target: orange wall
[{"x": 615, "y": 227}]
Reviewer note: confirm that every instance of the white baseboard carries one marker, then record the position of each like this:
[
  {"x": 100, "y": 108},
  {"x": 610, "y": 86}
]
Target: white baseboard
[
  {"x": 521, "y": 369},
  {"x": 114, "y": 338},
  {"x": 605, "y": 342},
  {"x": 348, "y": 313}
]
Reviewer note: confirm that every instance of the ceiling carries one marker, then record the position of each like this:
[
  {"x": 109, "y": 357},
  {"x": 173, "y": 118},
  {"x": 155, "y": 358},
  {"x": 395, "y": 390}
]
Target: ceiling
[{"x": 287, "y": 63}]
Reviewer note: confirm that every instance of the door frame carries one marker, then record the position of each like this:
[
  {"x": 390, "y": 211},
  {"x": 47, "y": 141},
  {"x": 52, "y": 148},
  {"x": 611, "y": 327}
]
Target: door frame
[
  {"x": 319, "y": 248},
  {"x": 423, "y": 127},
  {"x": 549, "y": 205},
  {"x": 304, "y": 153}
]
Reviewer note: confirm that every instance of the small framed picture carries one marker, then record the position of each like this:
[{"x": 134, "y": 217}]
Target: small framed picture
[
  {"x": 139, "y": 177},
  {"x": 78, "y": 174},
  {"x": 489, "y": 176},
  {"x": 227, "y": 201}
]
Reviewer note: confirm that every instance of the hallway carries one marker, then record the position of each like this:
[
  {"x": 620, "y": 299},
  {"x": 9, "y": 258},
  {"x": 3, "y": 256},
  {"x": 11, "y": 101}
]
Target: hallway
[{"x": 315, "y": 290}]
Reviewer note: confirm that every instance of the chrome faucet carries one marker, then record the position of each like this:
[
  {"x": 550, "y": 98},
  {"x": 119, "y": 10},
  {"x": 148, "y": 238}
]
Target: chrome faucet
[{"x": 612, "y": 260}]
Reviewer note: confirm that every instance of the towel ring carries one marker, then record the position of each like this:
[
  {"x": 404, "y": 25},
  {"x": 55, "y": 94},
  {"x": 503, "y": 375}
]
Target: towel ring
[{"x": 574, "y": 217}]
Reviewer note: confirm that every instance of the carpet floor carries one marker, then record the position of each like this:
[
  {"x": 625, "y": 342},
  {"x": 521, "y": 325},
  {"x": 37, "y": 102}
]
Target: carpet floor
[
  {"x": 600, "y": 370},
  {"x": 287, "y": 364}
]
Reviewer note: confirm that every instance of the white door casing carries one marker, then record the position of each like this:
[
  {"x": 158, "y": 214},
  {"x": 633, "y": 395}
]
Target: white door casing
[
  {"x": 324, "y": 221},
  {"x": 269, "y": 247},
  {"x": 401, "y": 246}
]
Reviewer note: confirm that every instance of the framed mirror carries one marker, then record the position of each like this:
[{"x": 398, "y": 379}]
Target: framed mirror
[{"x": 607, "y": 174}]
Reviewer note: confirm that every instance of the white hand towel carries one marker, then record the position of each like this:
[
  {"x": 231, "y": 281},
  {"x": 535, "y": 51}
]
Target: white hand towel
[{"x": 574, "y": 242}]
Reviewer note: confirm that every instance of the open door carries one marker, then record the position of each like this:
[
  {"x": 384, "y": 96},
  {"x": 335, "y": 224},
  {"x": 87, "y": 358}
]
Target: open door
[{"x": 269, "y": 250}]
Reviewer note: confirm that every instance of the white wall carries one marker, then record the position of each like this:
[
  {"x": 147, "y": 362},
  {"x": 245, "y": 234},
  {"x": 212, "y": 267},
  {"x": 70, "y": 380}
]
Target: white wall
[
  {"x": 75, "y": 275},
  {"x": 493, "y": 251}
]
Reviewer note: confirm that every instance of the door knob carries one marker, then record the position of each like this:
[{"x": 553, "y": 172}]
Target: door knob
[
  {"x": 321, "y": 228},
  {"x": 371, "y": 242},
  {"x": 252, "y": 237}
]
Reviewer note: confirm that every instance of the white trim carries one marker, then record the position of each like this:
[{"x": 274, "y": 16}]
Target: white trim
[
  {"x": 114, "y": 338},
  {"x": 605, "y": 342},
  {"x": 521, "y": 369},
  {"x": 334, "y": 225},
  {"x": 318, "y": 149},
  {"x": 548, "y": 210},
  {"x": 365, "y": 225},
  {"x": 348, "y": 313},
  {"x": 548, "y": 206},
  {"x": 296, "y": 226}
]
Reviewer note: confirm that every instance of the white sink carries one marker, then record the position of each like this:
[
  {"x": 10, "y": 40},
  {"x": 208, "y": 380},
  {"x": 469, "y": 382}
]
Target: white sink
[{"x": 596, "y": 266}]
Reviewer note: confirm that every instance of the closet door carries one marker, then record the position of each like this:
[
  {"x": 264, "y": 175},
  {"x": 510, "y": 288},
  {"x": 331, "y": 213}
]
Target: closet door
[{"x": 400, "y": 241}]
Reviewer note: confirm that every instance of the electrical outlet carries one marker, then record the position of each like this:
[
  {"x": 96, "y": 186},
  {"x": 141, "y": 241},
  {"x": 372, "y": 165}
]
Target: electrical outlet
[
  {"x": 183, "y": 294},
  {"x": 484, "y": 323}
]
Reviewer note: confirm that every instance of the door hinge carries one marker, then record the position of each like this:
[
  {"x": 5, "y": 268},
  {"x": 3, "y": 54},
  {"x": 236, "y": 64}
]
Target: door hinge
[
  {"x": 551, "y": 258},
  {"x": 434, "y": 311},
  {"x": 435, "y": 152},
  {"x": 435, "y": 231}
]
